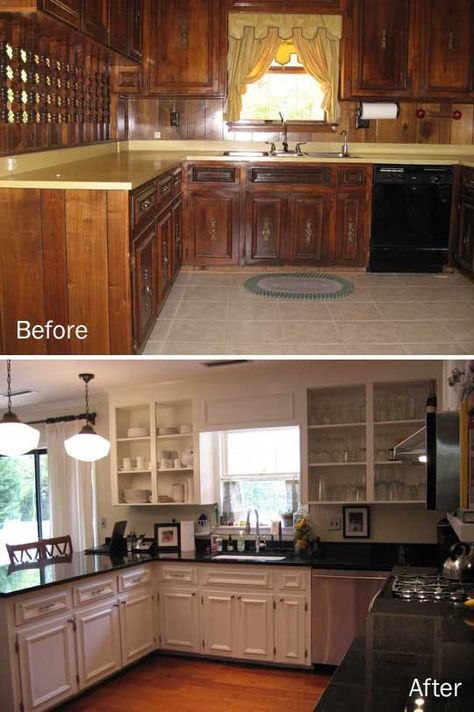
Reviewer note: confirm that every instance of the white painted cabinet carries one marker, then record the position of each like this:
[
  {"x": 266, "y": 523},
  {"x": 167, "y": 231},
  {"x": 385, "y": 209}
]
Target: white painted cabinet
[
  {"x": 255, "y": 626},
  {"x": 291, "y": 627},
  {"x": 219, "y": 623},
  {"x": 179, "y": 619},
  {"x": 136, "y": 625},
  {"x": 47, "y": 663},
  {"x": 98, "y": 643}
]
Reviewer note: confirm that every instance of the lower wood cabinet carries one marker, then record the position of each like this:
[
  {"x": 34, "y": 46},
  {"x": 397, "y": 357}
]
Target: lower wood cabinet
[
  {"x": 98, "y": 643},
  {"x": 179, "y": 620},
  {"x": 219, "y": 623},
  {"x": 310, "y": 228},
  {"x": 144, "y": 278},
  {"x": 351, "y": 246},
  {"x": 266, "y": 219},
  {"x": 47, "y": 663},
  {"x": 213, "y": 224}
]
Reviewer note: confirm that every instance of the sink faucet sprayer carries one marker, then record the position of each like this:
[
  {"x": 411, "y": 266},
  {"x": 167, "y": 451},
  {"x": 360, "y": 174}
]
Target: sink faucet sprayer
[
  {"x": 345, "y": 145},
  {"x": 259, "y": 543}
]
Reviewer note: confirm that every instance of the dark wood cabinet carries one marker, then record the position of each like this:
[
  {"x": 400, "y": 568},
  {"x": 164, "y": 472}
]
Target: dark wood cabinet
[
  {"x": 69, "y": 11},
  {"x": 309, "y": 6},
  {"x": 95, "y": 19},
  {"x": 447, "y": 49},
  {"x": 177, "y": 250},
  {"x": 266, "y": 227},
  {"x": 186, "y": 48},
  {"x": 214, "y": 226},
  {"x": 310, "y": 227},
  {"x": 144, "y": 276},
  {"x": 465, "y": 250},
  {"x": 164, "y": 242},
  {"x": 135, "y": 23},
  {"x": 351, "y": 245},
  {"x": 379, "y": 52},
  {"x": 119, "y": 15}
]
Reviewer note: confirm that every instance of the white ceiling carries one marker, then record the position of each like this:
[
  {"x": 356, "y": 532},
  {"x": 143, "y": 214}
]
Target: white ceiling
[{"x": 57, "y": 380}]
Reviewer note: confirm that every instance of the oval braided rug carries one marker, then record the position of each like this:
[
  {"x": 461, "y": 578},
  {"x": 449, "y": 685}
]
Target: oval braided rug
[{"x": 299, "y": 285}]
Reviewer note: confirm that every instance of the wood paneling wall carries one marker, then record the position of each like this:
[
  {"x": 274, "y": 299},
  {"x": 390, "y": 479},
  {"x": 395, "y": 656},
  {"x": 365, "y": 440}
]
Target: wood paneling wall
[
  {"x": 39, "y": 35},
  {"x": 203, "y": 119}
]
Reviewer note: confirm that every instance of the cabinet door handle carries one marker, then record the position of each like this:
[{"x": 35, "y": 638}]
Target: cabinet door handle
[
  {"x": 266, "y": 232},
  {"x": 115, "y": 605},
  {"x": 451, "y": 40},
  {"x": 46, "y": 607},
  {"x": 213, "y": 230},
  {"x": 145, "y": 204},
  {"x": 308, "y": 232},
  {"x": 384, "y": 39}
]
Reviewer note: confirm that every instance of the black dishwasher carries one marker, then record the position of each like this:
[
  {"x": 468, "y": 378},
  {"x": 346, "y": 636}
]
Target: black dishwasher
[{"x": 410, "y": 218}]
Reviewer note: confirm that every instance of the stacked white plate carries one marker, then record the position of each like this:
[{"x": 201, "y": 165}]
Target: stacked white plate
[
  {"x": 137, "y": 432},
  {"x": 136, "y": 496},
  {"x": 168, "y": 431}
]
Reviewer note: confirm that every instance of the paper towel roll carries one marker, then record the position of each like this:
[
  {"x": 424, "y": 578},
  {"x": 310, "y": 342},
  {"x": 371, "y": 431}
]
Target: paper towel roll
[{"x": 379, "y": 110}]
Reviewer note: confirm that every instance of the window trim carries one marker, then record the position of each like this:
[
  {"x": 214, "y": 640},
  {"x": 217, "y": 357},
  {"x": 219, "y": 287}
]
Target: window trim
[{"x": 295, "y": 126}]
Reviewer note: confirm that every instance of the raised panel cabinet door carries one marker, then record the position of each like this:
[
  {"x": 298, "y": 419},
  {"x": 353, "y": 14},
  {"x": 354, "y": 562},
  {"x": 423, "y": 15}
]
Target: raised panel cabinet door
[
  {"x": 466, "y": 235},
  {"x": 352, "y": 240},
  {"x": 447, "y": 49},
  {"x": 47, "y": 663},
  {"x": 69, "y": 11},
  {"x": 184, "y": 44},
  {"x": 98, "y": 643},
  {"x": 291, "y": 623},
  {"x": 218, "y": 623},
  {"x": 144, "y": 279},
  {"x": 266, "y": 233},
  {"x": 118, "y": 25},
  {"x": 135, "y": 38},
  {"x": 164, "y": 243},
  {"x": 95, "y": 19},
  {"x": 177, "y": 256},
  {"x": 310, "y": 221},
  {"x": 255, "y": 639},
  {"x": 179, "y": 620},
  {"x": 137, "y": 629},
  {"x": 214, "y": 223},
  {"x": 381, "y": 53}
]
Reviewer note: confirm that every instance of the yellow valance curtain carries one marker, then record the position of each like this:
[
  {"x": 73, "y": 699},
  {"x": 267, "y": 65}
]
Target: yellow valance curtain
[{"x": 254, "y": 39}]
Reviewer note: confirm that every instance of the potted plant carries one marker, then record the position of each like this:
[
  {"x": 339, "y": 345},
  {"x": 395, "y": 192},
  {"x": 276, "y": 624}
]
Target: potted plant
[{"x": 287, "y": 519}]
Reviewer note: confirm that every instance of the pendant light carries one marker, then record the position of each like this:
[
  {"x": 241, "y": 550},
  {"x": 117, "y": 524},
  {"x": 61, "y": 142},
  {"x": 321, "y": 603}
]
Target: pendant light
[
  {"x": 16, "y": 438},
  {"x": 86, "y": 445}
]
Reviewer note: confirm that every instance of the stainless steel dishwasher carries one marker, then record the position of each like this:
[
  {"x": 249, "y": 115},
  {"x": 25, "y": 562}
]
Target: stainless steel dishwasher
[{"x": 340, "y": 600}]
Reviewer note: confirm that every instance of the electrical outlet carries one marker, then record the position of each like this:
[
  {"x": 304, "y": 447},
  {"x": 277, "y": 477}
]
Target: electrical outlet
[
  {"x": 157, "y": 134},
  {"x": 103, "y": 523},
  {"x": 333, "y": 522}
]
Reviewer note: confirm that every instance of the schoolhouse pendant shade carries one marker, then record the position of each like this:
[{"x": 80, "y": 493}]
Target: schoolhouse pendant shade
[
  {"x": 87, "y": 445},
  {"x": 16, "y": 438}
]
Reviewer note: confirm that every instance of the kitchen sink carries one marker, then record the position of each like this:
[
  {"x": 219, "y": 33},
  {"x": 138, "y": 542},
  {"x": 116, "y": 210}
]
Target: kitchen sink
[
  {"x": 329, "y": 154},
  {"x": 246, "y": 154},
  {"x": 256, "y": 557}
]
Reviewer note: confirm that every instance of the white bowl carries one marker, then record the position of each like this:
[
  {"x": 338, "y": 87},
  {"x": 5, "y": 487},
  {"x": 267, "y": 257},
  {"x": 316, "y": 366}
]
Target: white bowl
[{"x": 137, "y": 433}]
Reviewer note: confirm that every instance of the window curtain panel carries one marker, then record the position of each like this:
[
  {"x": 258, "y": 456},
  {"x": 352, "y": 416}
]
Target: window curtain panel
[
  {"x": 253, "y": 42},
  {"x": 292, "y": 495},
  {"x": 231, "y": 501},
  {"x": 70, "y": 488}
]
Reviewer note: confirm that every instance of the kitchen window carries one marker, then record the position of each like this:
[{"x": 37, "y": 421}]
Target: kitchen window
[
  {"x": 24, "y": 500},
  {"x": 257, "y": 468}
]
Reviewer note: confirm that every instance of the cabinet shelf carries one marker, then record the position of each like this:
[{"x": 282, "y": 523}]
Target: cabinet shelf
[
  {"x": 411, "y": 421},
  {"x": 174, "y": 436},
  {"x": 336, "y": 464},
  {"x": 175, "y": 469},
  {"x": 133, "y": 440},
  {"x": 328, "y": 426},
  {"x": 133, "y": 471}
]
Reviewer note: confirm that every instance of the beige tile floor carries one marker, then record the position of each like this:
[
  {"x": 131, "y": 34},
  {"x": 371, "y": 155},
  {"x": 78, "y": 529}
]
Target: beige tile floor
[{"x": 211, "y": 313}]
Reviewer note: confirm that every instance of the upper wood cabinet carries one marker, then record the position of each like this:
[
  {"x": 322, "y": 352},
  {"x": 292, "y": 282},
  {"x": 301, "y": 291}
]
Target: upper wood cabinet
[
  {"x": 95, "y": 19},
  {"x": 69, "y": 11},
  {"x": 409, "y": 49},
  {"x": 447, "y": 49},
  {"x": 186, "y": 47},
  {"x": 118, "y": 25},
  {"x": 135, "y": 23}
]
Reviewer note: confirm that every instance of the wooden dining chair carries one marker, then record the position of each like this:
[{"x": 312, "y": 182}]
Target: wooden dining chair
[
  {"x": 57, "y": 547},
  {"x": 23, "y": 553}
]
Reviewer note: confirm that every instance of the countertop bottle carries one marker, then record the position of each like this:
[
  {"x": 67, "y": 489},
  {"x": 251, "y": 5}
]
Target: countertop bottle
[
  {"x": 230, "y": 544},
  {"x": 241, "y": 542}
]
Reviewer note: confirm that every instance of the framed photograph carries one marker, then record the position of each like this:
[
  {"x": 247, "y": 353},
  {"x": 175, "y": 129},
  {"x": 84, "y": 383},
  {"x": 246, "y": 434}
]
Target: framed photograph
[
  {"x": 168, "y": 538},
  {"x": 356, "y": 522}
]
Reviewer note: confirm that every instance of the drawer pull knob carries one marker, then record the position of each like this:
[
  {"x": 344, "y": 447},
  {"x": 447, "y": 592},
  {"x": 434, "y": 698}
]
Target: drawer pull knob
[
  {"x": 145, "y": 204},
  {"x": 165, "y": 188}
]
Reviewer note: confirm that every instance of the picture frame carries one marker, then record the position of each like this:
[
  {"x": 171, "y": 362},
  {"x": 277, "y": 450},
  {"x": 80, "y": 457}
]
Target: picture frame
[
  {"x": 356, "y": 522},
  {"x": 168, "y": 538}
]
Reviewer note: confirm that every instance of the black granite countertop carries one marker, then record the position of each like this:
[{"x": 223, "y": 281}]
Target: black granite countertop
[
  {"x": 401, "y": 642},
  {"x": 369, "y": 557}
]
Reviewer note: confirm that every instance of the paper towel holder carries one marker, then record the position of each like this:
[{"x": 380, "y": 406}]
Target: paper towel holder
[{"x": 361, "y": 123}]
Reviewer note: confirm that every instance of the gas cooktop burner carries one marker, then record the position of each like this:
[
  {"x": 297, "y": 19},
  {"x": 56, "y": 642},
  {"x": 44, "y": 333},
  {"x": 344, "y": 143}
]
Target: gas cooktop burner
[{"x": 430, "y": 588}]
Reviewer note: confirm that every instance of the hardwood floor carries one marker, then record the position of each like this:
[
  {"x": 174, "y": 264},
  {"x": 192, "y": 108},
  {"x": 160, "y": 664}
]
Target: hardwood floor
[{"x": 174, "y": 684}]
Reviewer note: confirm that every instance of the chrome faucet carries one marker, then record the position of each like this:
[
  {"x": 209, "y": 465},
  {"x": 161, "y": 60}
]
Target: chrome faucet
[
  {"x": 285, "y": 133},
  {"x": 259, "y": 543},
  {"x": 345, "y": 145}
]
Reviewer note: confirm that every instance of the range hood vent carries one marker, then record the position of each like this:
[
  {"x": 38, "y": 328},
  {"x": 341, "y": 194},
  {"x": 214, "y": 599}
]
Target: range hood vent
[{"x": 413, "y": 448}]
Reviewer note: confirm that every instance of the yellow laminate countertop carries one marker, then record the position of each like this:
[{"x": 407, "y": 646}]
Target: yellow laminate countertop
[{"x": 128, "y": 168}]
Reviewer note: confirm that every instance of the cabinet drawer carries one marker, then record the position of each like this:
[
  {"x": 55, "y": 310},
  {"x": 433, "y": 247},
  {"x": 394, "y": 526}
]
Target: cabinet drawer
[
  {"x": 94, "y": 591},
  {"x": 42, "y": 606},
  {"x": 144, "y": 202},
  {"x": 165, "y": 189},
  {"x": 213, "y": 174},
  {"x": 317, "y": 175},
  {"x": 134, "y": 578},
  {"x": 351, "y": 176},
  {"x": 235, "y": 575},
  {"x": 292, "y": 580},
  {"x": 177, "y": 181},
  {"x": 184, "y": 574}
]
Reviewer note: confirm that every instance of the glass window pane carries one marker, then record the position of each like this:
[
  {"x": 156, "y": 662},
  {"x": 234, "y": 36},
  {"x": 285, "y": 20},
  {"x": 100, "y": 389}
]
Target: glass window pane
[
  {"x": 44, "y": 490},
  {"x": 297, "y": 96},
  {"x": 18, "y": 517}
]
